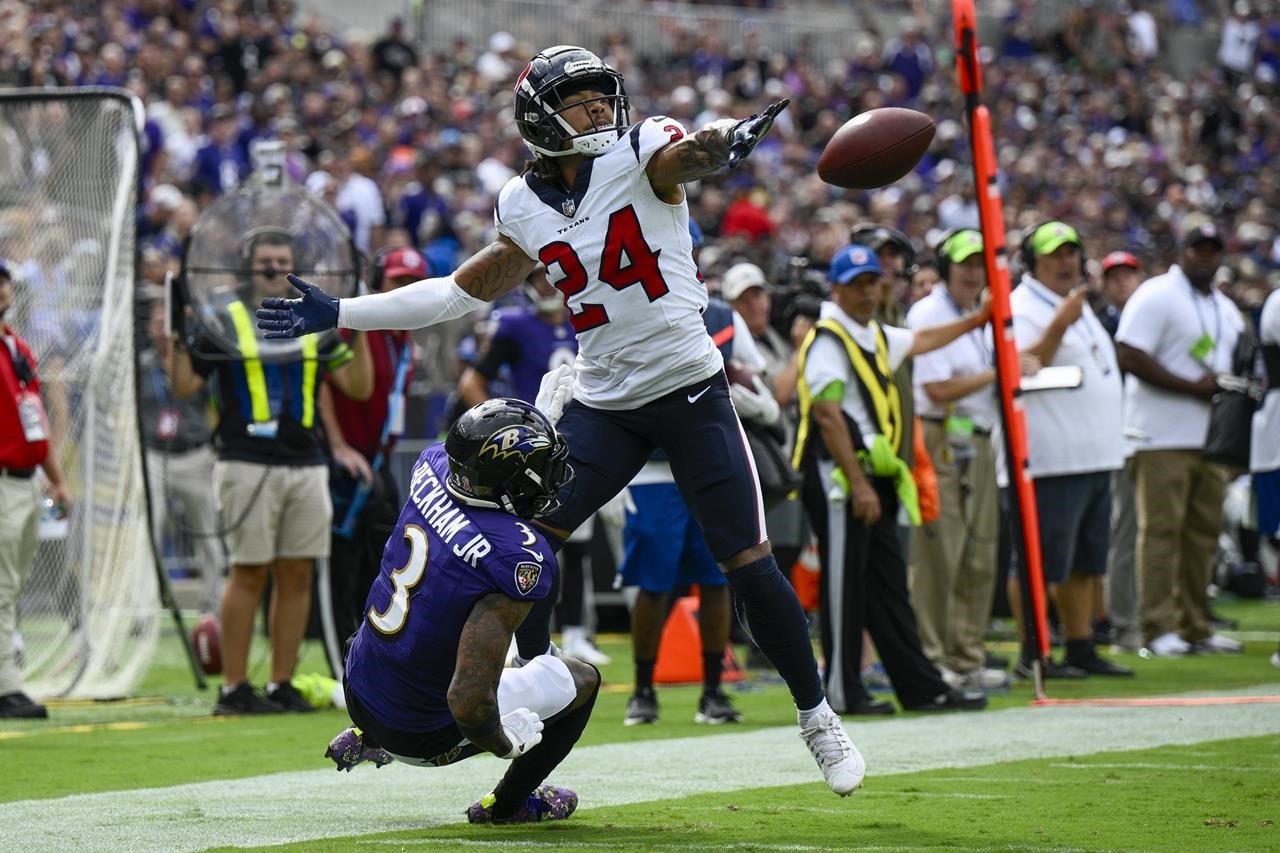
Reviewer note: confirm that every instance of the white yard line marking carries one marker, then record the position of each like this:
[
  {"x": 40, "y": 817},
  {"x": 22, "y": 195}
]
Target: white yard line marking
[{"x": 297, "y": 806}]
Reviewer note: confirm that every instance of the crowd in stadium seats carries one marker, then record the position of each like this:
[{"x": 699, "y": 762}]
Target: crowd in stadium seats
[{"x": 411, "y": 145}]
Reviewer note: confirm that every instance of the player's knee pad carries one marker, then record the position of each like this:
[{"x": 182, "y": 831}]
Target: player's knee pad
[{"x": 544, "y": 685}]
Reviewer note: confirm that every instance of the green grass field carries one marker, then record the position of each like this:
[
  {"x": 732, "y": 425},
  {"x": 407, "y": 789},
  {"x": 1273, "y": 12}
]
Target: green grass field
[{"x": 158, "y": 773}]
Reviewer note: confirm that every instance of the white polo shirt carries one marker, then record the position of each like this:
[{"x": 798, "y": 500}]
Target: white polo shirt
[
  {"x": 966, "y": 355},
  {"x": 827, "y": 362},
  {"x": 1165, "y": 318},
  {"x": 1071, "y": 430},
  {"x": 1264, "y": 453}
]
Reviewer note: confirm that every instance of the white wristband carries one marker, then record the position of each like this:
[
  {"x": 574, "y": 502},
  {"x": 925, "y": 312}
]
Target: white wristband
[{"x": 423, "y": 303}]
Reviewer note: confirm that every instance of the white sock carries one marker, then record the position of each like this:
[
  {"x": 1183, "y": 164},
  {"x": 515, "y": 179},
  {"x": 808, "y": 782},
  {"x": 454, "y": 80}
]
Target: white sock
[
  {"x": 272, "y": 685},
  {"x": 806, "y": 716}
]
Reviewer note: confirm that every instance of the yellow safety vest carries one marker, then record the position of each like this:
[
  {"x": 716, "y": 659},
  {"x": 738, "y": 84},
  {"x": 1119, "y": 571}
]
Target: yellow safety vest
[
  {"x": 877, "y": 381},
  {"x": 247, "y": 340}
]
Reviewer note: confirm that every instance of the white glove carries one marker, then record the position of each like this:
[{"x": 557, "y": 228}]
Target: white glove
[
  {"x": 615, "y": 511},
  {"x": 554, "y": 392},
  {"x": 757, "y": 406},
  {"x": 524, "y": 729}
]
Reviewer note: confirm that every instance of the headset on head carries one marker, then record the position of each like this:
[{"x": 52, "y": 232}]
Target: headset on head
[
  {"x": 875, "y": 236},
  {"x": 378, "y": 269},
  {"x": 941, "y": 259},
  {"x": 1028, "y": 256}
]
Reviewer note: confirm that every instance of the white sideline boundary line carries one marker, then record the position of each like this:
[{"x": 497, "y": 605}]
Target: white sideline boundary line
[{"x": 301, "y": 805}]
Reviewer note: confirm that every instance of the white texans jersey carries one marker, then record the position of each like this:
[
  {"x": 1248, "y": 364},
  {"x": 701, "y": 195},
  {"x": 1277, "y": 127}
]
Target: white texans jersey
[{"x": 623, "y": 259}]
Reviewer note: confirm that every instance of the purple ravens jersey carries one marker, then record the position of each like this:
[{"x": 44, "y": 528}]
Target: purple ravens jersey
[
  {"x": 529, "y": 346},
  {"x": 443, "y": 557}
]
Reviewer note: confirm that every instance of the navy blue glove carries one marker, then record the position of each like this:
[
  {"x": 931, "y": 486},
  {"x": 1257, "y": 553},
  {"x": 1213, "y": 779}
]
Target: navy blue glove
[
  {"x": 748, "y": 132},
  {"x": 316, "y": 311}
]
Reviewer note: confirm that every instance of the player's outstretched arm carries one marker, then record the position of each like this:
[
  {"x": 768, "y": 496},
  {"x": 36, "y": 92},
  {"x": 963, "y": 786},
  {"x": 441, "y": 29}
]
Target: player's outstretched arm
[
  {"x": 473, "y": 693},
  {"x": 497, "y": 269},
  {"x": 721, "y": 143}
]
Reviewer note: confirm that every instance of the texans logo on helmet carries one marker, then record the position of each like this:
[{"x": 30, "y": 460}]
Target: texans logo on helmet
[
  {"x": 517, "y": 441},
  {"x": 527, "y": 575}
]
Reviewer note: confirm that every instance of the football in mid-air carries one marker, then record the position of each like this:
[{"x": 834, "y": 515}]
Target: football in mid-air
[
  {"x": 206, "y": 638},
  {"x": 875, "y": 148}
]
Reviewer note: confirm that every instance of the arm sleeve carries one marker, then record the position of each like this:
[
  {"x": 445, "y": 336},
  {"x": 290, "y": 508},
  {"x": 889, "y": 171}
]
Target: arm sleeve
[{"x": 414, "y": 306}]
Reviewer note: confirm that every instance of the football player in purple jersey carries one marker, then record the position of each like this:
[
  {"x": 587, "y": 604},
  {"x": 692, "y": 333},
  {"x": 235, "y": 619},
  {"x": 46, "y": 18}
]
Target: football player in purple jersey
[{"x": 424, "y": 677}]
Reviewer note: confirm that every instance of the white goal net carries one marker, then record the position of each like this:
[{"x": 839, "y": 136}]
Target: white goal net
[{"x": 90, "y": 609}]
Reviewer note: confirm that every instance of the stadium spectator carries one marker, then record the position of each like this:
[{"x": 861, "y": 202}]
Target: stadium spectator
[
  {"x": 392, "y": 54},
  {"x": 361, "y": 435},
  {"x": 1071, "y": 466},
  {"x": 653, "y": 381},
  {"x": 1121, "y": 275},
  {"x": 952, "y": 568},
  {"x": 438, "y": 693},
  {"x": 221, "y": 164},
  {"x": 180, "y": 458},
  {"x": 24, "y": 446},
  {"x": 854, "y": 484},
  {"x": 271, "y": 476},
  {"x": 1176, "y": 334}
]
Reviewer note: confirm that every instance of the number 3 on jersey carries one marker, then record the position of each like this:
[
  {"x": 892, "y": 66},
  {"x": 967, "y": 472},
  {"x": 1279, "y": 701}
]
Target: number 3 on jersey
[
  {"x": 392, "y": 620},
  {"x": 626, "y": 260}
]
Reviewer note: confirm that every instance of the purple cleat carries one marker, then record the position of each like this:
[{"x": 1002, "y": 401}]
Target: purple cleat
[
  {"x": 348, "y": 749},
  {"x": 547, "y": 802}
]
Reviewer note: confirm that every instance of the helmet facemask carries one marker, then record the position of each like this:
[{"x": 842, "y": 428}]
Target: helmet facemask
[{"x": 540, "y": 112}]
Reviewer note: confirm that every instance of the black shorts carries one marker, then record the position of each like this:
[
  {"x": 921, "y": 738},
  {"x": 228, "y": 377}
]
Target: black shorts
[
  {"x": 710, "y": 459},
  {"x": 437, "y": 748},
  {"x": 1074, "y": 512}
]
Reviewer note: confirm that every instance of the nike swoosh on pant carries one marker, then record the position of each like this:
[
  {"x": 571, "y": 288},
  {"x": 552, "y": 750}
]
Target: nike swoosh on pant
[{"x": 693, "y": 398}]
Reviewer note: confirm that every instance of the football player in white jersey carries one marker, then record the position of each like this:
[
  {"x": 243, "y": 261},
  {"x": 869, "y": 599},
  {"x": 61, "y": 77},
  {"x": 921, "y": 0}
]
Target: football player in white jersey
[{"x": 602, "y": 205}]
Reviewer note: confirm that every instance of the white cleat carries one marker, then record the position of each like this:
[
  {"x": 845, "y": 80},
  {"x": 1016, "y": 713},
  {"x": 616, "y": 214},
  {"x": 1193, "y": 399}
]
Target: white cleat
[
  {"x": 841, "y": 763},
  {"x": 576, "y": 643}
]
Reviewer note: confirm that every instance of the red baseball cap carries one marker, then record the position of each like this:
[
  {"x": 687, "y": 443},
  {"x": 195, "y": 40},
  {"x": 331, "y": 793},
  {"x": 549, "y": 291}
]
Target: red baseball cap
[
  {"x": 1120, "y": 259},
  {"x": 405, "y": 262}
]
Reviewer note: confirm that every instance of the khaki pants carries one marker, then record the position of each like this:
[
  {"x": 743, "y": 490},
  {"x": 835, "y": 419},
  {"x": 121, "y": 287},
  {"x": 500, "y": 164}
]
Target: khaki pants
[
  {"x": 19, "y": 520},
  {"x": 1179, "y": 501},
  {"x": 953, "y": 559},
  {"x": 187, "y": 477}
]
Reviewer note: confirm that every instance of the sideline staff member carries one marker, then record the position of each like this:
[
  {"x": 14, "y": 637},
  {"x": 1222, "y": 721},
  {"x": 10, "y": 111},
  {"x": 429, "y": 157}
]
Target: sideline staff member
[
  {"x": 272, "y": 477},
  {"x": 853, "y": 482},
  {"x": 24, "y": 445}
]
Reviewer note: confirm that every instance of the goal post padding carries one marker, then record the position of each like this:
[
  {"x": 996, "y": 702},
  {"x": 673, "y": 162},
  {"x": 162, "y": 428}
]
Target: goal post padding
[{"x": 90, "y": 609}]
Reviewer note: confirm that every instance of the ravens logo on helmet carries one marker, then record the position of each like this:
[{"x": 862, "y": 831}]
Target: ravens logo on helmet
[{"x": 504, "y": 454}]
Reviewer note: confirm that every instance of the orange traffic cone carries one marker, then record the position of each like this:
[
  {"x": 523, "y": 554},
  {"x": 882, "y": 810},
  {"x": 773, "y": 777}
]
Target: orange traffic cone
[{"x": 680, "y": 650}]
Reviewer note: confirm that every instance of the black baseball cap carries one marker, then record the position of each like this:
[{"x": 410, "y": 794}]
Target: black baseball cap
[{"x": 1204, "y": 231}]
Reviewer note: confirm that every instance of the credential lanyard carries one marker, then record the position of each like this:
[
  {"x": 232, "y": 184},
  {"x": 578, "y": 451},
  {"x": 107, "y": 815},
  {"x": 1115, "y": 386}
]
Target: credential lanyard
[{"x": 1080, "y": 327}]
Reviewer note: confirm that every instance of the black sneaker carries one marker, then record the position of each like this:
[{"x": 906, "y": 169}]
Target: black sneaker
[
  {"x": 1049, "y": 669},
  {"x": 20, "y": 706},
  {"x": 289, "y": 699},
  {"x": 1097, "y": 665},
  {"x": 953, "y": 700},
  {"x": 715, "y": 709},
  {"x": 243, "y": 699},
  {"x": 642, "y": 708}
]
